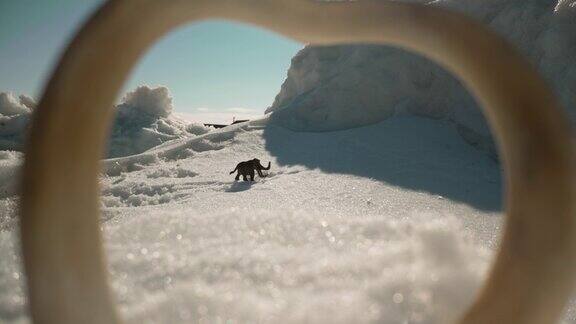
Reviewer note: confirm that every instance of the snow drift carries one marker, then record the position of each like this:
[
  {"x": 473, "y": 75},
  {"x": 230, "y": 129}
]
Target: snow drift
[
  {"x": 14, "y": 118},
  {"x": 338, "y": 87},
  {"x": 143, "y": 120}
]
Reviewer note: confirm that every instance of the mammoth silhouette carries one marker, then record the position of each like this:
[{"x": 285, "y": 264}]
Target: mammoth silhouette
[
  {"x": 247, "y": 168},
  {"x": 533, "y": 273}
]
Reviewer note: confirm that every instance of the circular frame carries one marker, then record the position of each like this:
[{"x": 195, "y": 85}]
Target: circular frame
[{"x": 533, "y": 273}]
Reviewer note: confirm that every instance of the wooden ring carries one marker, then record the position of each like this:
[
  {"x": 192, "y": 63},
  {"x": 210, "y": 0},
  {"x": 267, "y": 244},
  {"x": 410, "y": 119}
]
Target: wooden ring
[{"x": 64, "y": 262}]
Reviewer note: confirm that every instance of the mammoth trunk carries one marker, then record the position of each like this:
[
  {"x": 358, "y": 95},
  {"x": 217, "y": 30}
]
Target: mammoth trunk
[{"x": 268, "y": 167}]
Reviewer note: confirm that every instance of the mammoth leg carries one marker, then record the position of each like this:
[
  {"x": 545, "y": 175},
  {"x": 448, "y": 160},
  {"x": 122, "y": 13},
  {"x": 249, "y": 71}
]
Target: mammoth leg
[
  {"x": 244, "y": 177},
  {"x": 237, "y": 176}
]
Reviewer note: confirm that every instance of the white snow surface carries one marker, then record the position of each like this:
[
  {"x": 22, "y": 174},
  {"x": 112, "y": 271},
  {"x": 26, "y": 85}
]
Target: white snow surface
[{"x": 391, "y": 223}]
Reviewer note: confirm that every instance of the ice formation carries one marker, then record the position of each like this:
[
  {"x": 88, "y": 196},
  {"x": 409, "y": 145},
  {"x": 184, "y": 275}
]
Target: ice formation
[
  {"x": 14, "y": 118},
  {"x": 143, "y": 120},
  {"x": 337, "y": 87}
]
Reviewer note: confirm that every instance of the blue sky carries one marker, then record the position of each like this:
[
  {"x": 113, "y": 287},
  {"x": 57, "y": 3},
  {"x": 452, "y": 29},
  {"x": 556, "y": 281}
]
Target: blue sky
[{"x": 214, "y": 70}]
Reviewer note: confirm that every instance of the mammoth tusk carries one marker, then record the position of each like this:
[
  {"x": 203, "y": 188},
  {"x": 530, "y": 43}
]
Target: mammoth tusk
[{"x": 61, "y": 243}]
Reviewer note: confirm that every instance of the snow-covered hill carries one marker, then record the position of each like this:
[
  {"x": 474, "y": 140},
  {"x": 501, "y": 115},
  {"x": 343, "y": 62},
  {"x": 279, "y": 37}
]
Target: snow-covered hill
[{"x": 337, "y": 87}]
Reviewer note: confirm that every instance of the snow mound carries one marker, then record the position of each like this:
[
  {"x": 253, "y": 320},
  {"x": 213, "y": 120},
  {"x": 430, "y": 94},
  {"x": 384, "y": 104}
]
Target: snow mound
[
  {"x": 14, "y": 119},
  {"x": 144, "y": 119},
  {"x": 146, "y": 102},
  {"x": 9, "y": 106},
  {"x": 338, "y": 87}
]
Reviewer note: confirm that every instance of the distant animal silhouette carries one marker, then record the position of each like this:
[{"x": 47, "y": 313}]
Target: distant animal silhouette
[{"x": 247, "y": 168}]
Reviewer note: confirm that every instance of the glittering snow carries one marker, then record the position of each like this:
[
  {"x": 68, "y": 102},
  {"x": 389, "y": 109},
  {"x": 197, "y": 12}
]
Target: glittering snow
[{"x": 391, "y": 222}]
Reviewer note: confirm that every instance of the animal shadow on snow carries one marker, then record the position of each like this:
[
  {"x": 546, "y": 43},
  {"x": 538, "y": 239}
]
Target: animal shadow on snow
[
  {"x": 238, "y": 186},
  {"x": 409, "y": 152}
]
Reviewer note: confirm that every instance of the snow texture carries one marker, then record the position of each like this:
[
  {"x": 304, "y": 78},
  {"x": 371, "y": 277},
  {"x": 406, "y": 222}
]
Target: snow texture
[
  {"x": 14, "y": 118},
  {"x": 337, "y": 87},
  {"x": 403, "y": 233},
  {"x": 390, "y": 223},
  {"x": 143, "y": 120}
]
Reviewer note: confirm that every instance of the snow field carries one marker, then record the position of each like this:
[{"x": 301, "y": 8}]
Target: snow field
[{"x": 331, "y": 235}]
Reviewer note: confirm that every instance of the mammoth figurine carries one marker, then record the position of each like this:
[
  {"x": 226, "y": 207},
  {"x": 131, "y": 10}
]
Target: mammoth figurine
[{"x": 247, "y": 168}]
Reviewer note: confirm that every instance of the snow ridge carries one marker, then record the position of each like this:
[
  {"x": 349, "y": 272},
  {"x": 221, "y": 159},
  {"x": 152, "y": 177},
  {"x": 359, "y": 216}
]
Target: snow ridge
[{"x": 338, "y": 87}]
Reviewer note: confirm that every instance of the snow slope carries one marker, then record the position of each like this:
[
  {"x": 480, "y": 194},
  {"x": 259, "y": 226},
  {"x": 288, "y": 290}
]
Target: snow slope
[
  {"x": 333, "y": 234},
  {"x": 338, "y": 87},
  {"x": 390, "y": 223}
]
